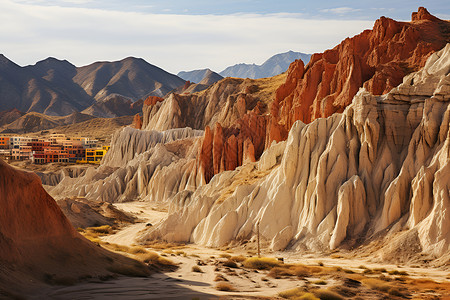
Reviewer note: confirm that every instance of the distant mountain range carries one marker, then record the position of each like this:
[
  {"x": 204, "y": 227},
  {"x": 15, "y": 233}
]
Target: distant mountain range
[
  {"x": 57, "y": 87},
  {"x": 275, "y": 65},
  {"x": 202, "y": 76}
]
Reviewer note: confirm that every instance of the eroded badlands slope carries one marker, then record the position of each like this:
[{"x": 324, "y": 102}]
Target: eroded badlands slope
[
  {"x": 37, "y": 242},
  {"x": 383, "y": 164}
]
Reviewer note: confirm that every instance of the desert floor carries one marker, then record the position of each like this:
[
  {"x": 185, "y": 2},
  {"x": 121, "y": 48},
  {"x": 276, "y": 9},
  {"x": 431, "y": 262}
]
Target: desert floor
[{"x": 199, "y": 269}]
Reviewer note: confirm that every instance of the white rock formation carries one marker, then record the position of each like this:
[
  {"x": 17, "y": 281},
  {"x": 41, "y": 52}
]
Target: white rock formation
[
  {"x": 140, "y": 165},
  {"x": 383, "y": 164}
]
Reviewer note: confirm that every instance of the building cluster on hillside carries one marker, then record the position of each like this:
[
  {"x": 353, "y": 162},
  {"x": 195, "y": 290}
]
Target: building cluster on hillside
[{"x": 55, "y": 148}]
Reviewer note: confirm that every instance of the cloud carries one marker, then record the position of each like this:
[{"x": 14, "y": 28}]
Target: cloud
[
  {"x": 341, "y": 10},
  {"x": 172, "y": 42}
]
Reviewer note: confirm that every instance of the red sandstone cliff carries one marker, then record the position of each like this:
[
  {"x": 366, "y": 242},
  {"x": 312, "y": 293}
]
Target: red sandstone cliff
[
  {"x": 37, "y": 242},
  {"x": 377, "y": 59}
]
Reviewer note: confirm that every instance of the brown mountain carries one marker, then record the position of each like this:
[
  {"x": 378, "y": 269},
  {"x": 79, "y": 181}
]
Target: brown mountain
[
  {"x": 33, "y": 121},
  {"x": 8, "y": 116},
  {"x": 56, "y": 87}
]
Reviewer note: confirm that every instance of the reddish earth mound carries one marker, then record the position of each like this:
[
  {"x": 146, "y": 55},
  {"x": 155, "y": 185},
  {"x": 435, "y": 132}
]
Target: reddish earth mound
[
  {"x": 37, "y": 242},
  {"x": 377, "y": 59}
]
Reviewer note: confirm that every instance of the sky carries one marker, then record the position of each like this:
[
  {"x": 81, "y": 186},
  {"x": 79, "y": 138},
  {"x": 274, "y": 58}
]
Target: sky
[{"x": 186, "y": 35}]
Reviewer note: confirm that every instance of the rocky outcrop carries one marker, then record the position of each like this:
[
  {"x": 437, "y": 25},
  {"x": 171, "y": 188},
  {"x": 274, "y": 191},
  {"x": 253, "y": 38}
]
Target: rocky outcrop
[
  {"x": 141, "y": 165},
  {"x": 377, "y": 59},
  {"x": 83, "y": 213},
  {"x": 37, "y": 242},
  {"x": 235, "y": 108},
  {"x": 137, "y": 122},
  {"x": 224, "y": 149},
  {"x": 380, "y": 166},
  {"x": 217, "y": 104}
]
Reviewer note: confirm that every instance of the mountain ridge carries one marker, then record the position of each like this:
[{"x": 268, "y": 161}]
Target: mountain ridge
[{"x": 57, "y": 87}]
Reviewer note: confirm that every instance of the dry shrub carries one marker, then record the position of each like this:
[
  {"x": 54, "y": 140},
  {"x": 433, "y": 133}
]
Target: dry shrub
[
  {"x": 327, "y": 295},
  {"x": 230, "y": 264},
  {"x": 225, "y": 255},
  {"x": 239, "y": 258},
  {"x": 101, "y": 230},
  {"x": 224, "y": 287},
  {"x": 137, "y": 250},
  {"x": 261, "y": 263},
  {"x": 297, "y": 294},
  {"x": 376, "y": 284},
  {"x": 154, "y": 258},
  {"x": 197, "y": 269},
  {"x": 160, "y": 245},
  {"x": 278, "y": 272},
  {"x": 397, "y": 272},
  {"x": 220, "y": 277},
  {"x": 300, "y": 271},
  {"x": 117, "y": 248},
  {"x": 320, "y": 282}
]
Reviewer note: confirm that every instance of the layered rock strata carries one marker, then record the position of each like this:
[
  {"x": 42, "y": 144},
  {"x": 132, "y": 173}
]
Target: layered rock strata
[
  {"x": 149, "y": 165},
  {"x": 377, "y": 59},
  {"x": 383, "y": 165}
]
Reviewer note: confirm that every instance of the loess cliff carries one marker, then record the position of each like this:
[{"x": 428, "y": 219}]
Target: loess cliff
[{"x": 379, "y": 170}]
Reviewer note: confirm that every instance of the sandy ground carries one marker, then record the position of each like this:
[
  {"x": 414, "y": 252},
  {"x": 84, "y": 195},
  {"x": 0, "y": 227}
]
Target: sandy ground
[
  {"x": 184, "y": 283},
  {"x": 146, "y": 214}
]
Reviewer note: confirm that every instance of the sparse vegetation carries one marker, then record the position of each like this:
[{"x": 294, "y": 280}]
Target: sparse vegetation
[
  {"x": 263, "y": 263},
  {"x": 197, "y": 269},
  {"x": 376, "y": 284},
  {"x": 239, "y": 258},
  {"x": 224, "y": 287},
  {"x": 327, "y": 295},
  {"x": 230, "y": 264},
  {"x": 397, "y": 272}
]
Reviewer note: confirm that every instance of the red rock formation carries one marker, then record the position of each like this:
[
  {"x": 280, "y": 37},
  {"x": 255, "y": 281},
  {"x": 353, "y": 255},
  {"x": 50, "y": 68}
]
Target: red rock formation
[
  {"x": 227, "y": 148},
  {"x": 377, "y": 59},
  {"x": 186, "y": 85},
  {"x": 152, "y": 100},
  {"x": 37, "y": 241},
  {"x": 137, "y": 122}
]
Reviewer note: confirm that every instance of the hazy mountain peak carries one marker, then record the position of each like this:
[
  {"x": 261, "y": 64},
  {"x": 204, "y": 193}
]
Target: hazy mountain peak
[{"x": 275, "y": 65}]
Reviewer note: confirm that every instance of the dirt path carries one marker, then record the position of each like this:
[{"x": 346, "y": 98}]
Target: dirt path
[{"x": 146, "y": 213}]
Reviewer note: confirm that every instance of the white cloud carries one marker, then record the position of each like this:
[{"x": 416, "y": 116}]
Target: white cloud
[
  {"x": 172, "y": 42},
  {"x": 340, "y": 10}
]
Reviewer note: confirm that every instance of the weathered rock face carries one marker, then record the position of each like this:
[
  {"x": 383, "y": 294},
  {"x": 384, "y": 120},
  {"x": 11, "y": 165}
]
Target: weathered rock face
[
  {"x": 219, "y": 103},
  {"x": 382, "y": 164},
  {"x": 37, "y": 240},
  {"x": 377, "y": 59},
  {"x": 233, "y": 111},
  {"x": 137, "y": 122},
  {"x": 141, "y": 165},
  {"x": 224, "y": 149}
]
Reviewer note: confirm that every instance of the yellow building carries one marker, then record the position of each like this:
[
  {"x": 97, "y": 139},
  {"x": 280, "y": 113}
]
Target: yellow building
[{"x": 96, "y": 155}]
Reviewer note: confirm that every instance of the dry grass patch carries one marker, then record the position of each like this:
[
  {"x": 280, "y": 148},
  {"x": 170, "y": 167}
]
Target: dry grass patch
[
  {"x": 153, "y": 258},
  {"x": 224, "y": 287},
  {"x": 327, "y": 295},
  {"x": 376, "y": 284},
  {"x": 239, "y": 258},
  {"x": 137, "y": 250},
  {"x": 261, "y": 263},
  {"x": 162, "y": 245},
  {"x": 297, "y": 294}
]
